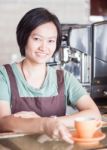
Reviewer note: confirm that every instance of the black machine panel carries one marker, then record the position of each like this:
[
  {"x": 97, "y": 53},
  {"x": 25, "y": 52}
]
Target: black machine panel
[
  {"x": 100, "y": 51},
  {"x": 100, "y": 68},
  {"x": 100, "y": 40},
  {"x": 99, "y": 60}
]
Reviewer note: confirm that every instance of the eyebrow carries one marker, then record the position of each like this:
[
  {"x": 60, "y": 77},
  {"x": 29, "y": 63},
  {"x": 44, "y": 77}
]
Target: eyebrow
[{"x": 36, "y": 34}]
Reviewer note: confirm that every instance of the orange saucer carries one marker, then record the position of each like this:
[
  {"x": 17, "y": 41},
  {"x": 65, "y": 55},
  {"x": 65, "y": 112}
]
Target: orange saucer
[{"x": 95, "y": 140}]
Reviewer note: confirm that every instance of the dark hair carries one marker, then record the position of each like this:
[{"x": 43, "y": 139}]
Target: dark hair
[{"x": 32, "y": 20}]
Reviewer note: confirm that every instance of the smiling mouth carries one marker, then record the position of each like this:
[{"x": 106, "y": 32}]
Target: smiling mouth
[{"x": 41, "y": 54}]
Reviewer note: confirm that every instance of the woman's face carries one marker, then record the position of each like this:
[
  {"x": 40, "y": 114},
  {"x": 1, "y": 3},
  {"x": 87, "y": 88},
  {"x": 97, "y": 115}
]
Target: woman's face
[{"x": 41, "y": 43}]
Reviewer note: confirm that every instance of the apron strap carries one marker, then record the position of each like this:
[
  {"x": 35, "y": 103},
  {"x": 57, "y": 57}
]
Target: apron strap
[
  {"x": 60, "y": 80},
  {"x": 13, "y": 84}
]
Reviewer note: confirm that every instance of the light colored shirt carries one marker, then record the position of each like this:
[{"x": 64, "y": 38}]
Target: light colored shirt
[{"x": 73, "y": 90}]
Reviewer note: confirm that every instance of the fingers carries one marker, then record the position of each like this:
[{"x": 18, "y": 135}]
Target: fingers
[
  {"x": 67, "y": 139},
  {"x": 56, "y": 130},
  {"x": 66, "y": 135},
  {"x": 62, "y": 133},
  {"x": 55, "y": 135}
]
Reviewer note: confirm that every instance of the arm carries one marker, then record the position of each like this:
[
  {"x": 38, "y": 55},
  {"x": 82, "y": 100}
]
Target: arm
[
  {"x": 86, "y": 107},
  {"x": 79, "y": 97},
  {"x": 19, "y": 123}
]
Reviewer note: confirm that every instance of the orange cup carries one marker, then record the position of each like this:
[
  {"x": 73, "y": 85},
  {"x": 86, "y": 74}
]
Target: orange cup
[{"x": 87, "y": 126}]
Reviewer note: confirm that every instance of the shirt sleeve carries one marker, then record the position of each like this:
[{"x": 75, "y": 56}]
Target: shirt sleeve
[
  {"x": 73, "y": 88},
  {"x": 4, "y": 85}
]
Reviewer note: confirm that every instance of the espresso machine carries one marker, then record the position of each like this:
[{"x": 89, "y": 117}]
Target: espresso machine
[{"x": 76, "y": 53}]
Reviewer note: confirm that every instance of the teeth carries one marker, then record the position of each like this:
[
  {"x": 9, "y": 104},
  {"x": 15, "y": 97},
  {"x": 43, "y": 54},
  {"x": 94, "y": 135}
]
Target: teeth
[{"x": 41, "y": 54}]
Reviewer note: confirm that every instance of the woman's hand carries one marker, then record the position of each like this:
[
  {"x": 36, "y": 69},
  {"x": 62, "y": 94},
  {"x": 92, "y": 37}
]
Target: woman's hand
[
  {"x": 56, "y": 130},
  {"x": 26, "y": 114}
]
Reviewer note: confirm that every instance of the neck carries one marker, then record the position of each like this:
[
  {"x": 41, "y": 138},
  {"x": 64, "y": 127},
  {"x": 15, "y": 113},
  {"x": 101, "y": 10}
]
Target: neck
[{"x": 32, "y": 70}]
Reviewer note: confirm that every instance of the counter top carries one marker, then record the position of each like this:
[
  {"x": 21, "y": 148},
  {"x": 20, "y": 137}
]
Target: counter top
[{"x": 43, "y": 142}]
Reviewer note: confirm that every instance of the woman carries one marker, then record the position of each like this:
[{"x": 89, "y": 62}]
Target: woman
[{"x": 34, "y": 96}]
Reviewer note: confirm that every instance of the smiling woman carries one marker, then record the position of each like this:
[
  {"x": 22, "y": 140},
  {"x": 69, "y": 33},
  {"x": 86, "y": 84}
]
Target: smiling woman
[{"x": 33, "y": 92}]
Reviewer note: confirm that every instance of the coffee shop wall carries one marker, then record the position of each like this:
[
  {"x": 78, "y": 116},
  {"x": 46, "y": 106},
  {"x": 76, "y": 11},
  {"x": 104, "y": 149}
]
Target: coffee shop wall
[{"x": 11, "y": 11}]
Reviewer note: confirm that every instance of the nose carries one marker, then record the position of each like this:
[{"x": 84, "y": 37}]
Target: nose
[{"x": 43, "y": 45}]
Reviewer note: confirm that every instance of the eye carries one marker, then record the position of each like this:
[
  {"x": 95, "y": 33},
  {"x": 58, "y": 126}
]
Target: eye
[
  {"x": 37, "y": 39},
  {"x": 52, "y": 41}
]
